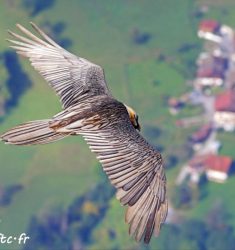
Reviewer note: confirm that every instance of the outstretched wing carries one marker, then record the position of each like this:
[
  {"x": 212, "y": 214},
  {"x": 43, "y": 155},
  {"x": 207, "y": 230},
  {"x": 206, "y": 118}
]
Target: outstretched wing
[
  {"x": 135, "y": 168},
  {"x": 73, "y": 78}
]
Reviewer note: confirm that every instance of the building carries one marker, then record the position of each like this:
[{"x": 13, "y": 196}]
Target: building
[
  {"x": 209, "y": 29},
  {"x": 200, "y": 136},
  {"x": 192, "y": 170},
  {"x": 209, "y": 25},
  {"x": 217, "y": 167},
  {"x": 196, "y": 168},
  {"x": 175, "y": 105},
  {"x": 211, "y": 70},
  {"x": 224, "y": 116}
]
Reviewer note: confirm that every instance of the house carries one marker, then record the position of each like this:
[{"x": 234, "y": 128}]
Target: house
[
  {"x": 197, "y": 163},
  {"x": 224, "y": 115},
  {"x": 211, "y": 70},
  {"x": 209, "y": 25},
  {"x": 200, "y": 136},
  {"x": 208, "y": 82},
  {"x": 227, "y": 40},
  {"x": 209, "y": 29},
  {"x": 175, "y": 105},
  {"x": 196, "y": 168},
  {"x": 217, "y": 167}
]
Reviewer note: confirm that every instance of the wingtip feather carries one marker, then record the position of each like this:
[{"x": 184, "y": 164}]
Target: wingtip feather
[
  {"x": 34, "y": 25},
  {"x": 3, "y": 139},
  {"x": 19, "y": 26},
  {"x": 10, "y": 32}
]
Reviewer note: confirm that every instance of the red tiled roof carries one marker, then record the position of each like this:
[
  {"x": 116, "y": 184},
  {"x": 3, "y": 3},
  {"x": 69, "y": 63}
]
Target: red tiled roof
[
  {"x": 218, "y": 163},
  {"x": 225, "y": 101},
  {"x": 202, "y": 133},
  {"x": 209, "y": 25}
]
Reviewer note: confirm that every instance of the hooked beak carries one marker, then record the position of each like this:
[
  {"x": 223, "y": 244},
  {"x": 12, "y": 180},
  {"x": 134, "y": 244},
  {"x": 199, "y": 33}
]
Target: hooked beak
[{"x": 137, "y": 126}]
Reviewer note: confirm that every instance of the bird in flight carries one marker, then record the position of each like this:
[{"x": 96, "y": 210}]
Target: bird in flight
[{"x": 109, "y": 127}]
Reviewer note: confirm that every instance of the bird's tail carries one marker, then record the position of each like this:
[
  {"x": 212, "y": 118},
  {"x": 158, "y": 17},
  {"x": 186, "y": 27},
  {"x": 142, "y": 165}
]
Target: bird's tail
[{"x": 32, "y": 133}]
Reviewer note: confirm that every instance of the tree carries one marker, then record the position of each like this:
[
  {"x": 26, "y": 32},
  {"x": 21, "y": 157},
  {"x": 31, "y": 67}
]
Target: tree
[
  {"x": 139, "y": 37},
  {"x": 221, "y": 239},
  {"x": 194, "y": 233},
  {"x": 217, "y": 216},
  {"x": 182, "y": 196},
  {"x": 8, "y": 192},
  {"x": 171, "y": 232},
  {"x": 15, "y": 87},
  {"x": 36, "y": 6},
  {"x": 67, "y": 229}
]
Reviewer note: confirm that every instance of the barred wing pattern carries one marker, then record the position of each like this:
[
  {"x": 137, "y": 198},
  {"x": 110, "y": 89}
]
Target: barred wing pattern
[
  {"x": 73, "y": 78},
  {"x": 135, "y": 168}
]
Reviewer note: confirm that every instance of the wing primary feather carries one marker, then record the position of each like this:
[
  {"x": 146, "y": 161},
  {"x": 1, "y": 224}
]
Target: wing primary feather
[
  {"x": 32, "y": 36},
  {"x": 46, "y": 37},
  {"x": 151, "y": 222},
  {"x": 138, "y": 195},
  {"x": 84, "y": 78},
  {"x": 143, "y": 225},
  {"x": 130, "y": 184},
  {"x": 141, "y": 187},
  {"x": 24, "y": 39},
  {"x": 127, "y": 196},
  {"x": 138, "y": 216},
  {"x": 119, "y": 169},
  {"x": 132, "y": 210}
]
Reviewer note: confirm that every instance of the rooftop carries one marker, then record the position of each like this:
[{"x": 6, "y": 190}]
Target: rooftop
[
  {"x": 212, "y": 67},
  {"x": 202, "y": 134},
  {"x": 218, "y": 163},
  {"x": 211, "y": 162},
  {"x": 209, "y": 25},
  {"x": 225, "y": 101}
]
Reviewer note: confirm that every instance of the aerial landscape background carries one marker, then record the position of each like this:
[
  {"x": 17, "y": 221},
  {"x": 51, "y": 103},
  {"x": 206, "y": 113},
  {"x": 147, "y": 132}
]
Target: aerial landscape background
[{"x": 57, "y": 193}]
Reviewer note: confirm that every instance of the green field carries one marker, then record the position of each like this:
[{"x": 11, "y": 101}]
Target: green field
[{"x": 53, "y": 175}]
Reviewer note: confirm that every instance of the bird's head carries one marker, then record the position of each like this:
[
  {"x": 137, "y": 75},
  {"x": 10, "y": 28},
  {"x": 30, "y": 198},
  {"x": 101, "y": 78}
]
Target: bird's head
[{"x": 133, "y": 117}]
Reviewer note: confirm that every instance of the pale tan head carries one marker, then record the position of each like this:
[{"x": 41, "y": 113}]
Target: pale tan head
[{"x": 133, "y": 117}]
